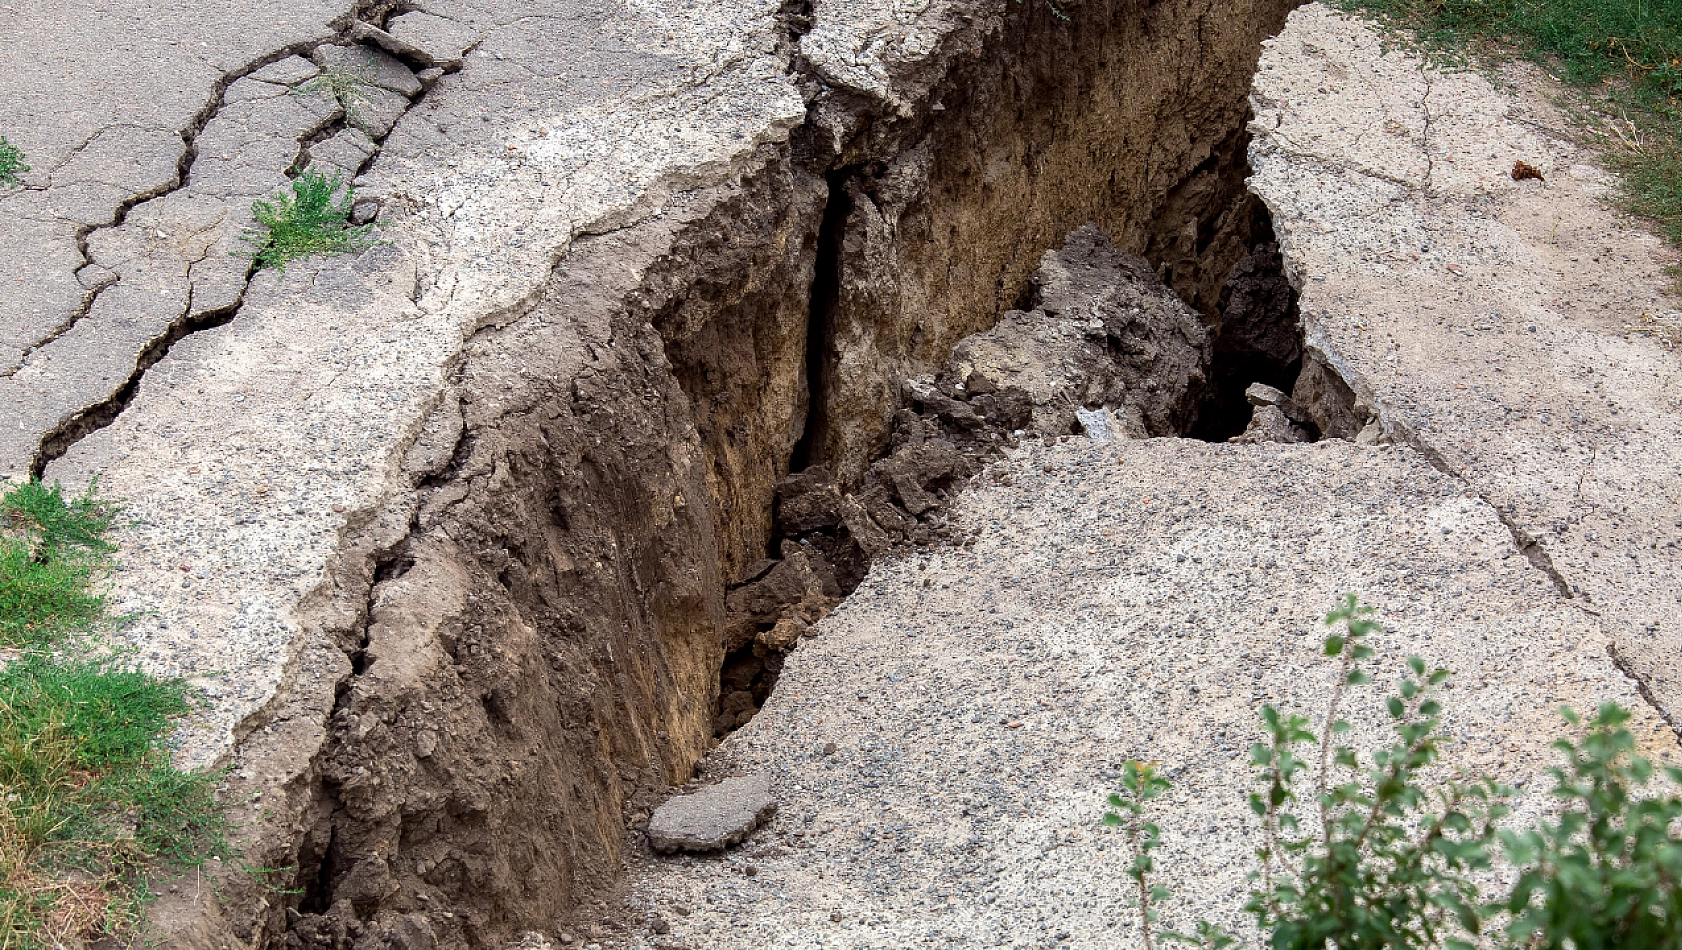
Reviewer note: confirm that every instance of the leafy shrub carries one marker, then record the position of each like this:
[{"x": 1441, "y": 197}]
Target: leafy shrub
[
  {"x": 1605, "y": 873},
  {"x": 1391, "y": 863},
  {"x": 1389, "y": 868}
]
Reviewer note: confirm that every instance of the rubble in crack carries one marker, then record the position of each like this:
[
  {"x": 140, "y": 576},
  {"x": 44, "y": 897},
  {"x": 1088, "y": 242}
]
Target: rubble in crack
[
  {"x": 1276, "y": 418},
  {"x": 1107, "y": 350}
]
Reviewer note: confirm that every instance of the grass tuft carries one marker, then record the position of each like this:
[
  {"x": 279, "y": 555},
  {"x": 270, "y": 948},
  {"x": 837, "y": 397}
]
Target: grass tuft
[
  {"x": 11, "y": 164},
  {"x": 91, "y": 799},
  {"x": 52, "y": 553},
  {"x": 305, "y": 220},
  {"x": 1625, "y": 55}
]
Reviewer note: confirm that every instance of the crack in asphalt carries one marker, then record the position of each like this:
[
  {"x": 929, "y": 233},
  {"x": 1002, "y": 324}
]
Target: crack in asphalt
[
  {"x": 60, "y": 439},
  {"x": 1425, "y": 134}
]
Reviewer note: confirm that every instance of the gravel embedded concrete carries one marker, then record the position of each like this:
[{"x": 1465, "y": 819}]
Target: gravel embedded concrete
[
  {"x": 980, "y": 700},
  {"x": 1510, "y": 329}
]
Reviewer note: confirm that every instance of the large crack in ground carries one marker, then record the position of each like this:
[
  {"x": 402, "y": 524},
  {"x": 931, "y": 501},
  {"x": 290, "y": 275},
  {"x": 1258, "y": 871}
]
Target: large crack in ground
[
  {"x": 640, "y": 487},
  {"x": 536, "y": 654},
  {"x": 1101, "y": 349}
]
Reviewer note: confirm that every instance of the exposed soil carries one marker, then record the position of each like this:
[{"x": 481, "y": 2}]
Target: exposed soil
[
  {"x": 542, "y": 650},
  {"x": 1107, "y": 350}
]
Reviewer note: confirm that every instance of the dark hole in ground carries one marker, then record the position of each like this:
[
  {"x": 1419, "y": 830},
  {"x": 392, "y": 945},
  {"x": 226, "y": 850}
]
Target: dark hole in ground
[
  {"x": 1257, "y": 339},
  {"x": 1137, "y": 358},
  {"x": 826, "y": 290}
]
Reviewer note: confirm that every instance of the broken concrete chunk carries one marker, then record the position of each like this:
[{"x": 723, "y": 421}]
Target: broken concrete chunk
[
  {"x": 375, "y": 111},
  {"x": 1096, "y": 424},
  {"x": 1270, "y": 424},
  {"x": 1261, "y": 394},
  {"x": 375, "y": 67},
  {"x": 344, "y": 153},
  {"x": 1327, "y": 399},
  {"x": 437, "y": 40},
  {"x": 713, "y": 818},
  {"x": 287, "y": 72},
  {"x": 244, "y": 90}
]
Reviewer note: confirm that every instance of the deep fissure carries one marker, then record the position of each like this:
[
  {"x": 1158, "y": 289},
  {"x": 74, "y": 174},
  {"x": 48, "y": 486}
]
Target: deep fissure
[
  {"x": 826, "y": 288},
  {"x": 1256, "y": 336},
  {"x": 559, "y": 562}
]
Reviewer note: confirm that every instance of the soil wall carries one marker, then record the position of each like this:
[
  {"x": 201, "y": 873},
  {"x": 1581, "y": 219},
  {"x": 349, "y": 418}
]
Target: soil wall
[{"x": 531, "y": 647}]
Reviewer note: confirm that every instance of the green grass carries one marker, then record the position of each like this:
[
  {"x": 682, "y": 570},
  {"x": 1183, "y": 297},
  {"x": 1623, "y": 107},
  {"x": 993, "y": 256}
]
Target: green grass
[
  {"x": 1625, "y": 56},
  {"x": 11, "y": 164},
  {"x": 52, "y": 553},
  {"x": 91, "y": 799},
  {"x": 305, "y": 220}
]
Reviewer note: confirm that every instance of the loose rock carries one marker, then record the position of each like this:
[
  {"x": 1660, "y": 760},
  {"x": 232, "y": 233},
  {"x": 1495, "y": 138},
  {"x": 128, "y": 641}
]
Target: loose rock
[{"x": 713, "y": 818}]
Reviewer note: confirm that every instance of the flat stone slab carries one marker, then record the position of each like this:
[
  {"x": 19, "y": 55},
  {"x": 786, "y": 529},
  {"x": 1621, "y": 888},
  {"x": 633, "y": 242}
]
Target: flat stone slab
[
  {"x": 1511, "y": 329},
  {"x": 713, "y": 818},
  {"x": 944, "y": 747}
]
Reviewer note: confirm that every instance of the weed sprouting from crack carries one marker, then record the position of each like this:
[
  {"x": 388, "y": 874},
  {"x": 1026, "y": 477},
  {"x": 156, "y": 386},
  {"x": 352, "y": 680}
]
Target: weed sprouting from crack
[
  {"x": 11, "y": 164},
  {"x": 349, "y": 86},
  {"x": 305, "y": 220}
]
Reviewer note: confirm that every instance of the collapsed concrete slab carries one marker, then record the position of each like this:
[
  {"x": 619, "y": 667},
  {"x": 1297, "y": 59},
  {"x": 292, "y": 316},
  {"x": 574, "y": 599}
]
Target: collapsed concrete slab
[
  {"x": 944, "y": 747},
  {"x": 946, "y": 740}
]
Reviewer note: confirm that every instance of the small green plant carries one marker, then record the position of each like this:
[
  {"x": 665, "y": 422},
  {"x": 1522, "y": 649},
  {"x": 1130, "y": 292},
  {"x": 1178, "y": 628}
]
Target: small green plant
[
  {"x": 305, "y": 220},
  {"x": 1390, "y": 865},
  {"x": 52, "y": 553},
  {"x": 1606, "y": 872},
  {"x": 11, "y": 164},
  {"x": 349, "y": 86},
  {"x": 91, "y": 799},
  {"x": 1391, "y": 862},
  {"x": 1139, "y": 784}
]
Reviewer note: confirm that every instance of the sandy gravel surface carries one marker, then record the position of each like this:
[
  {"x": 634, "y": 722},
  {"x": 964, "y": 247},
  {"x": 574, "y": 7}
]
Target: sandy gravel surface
[
  {"x": 1505, "y": 327},
  {"x": 1123, "y": 600}
]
